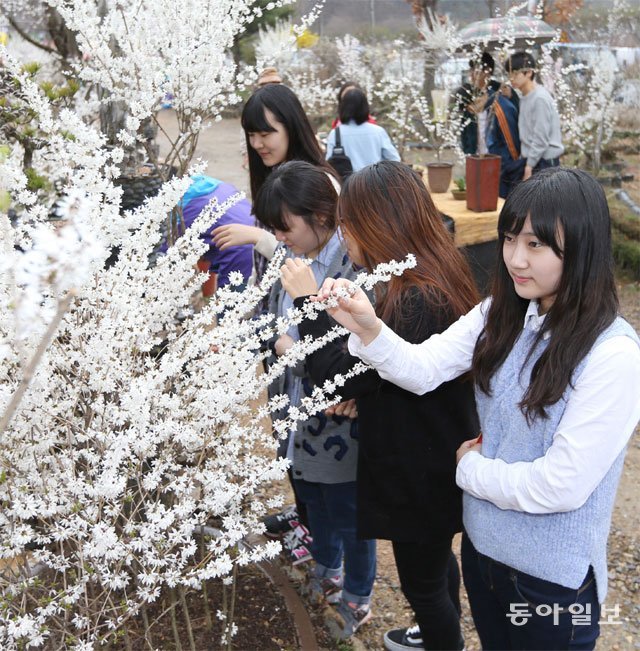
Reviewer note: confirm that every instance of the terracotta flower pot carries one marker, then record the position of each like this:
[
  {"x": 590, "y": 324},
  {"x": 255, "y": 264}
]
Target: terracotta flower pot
[
  {"x": 460, "y": 195},
  {"x": 483, "y": 182},
  {"x": 439, "y": 176}
]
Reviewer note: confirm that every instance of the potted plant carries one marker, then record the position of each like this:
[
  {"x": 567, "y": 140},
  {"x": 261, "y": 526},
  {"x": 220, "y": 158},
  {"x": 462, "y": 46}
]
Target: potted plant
[
  {"x": 438, "y": 173},
  {"x": 460, "y": 190},
  {"x": 483, "y": 178},
  {"x": 427, "y": 124}
]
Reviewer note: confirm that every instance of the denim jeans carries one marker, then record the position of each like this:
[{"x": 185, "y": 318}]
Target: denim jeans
[
  {"x": 551, "y": 616},
  {"x": 430, "y": 580},
  {"x": 331, "y": 510}
]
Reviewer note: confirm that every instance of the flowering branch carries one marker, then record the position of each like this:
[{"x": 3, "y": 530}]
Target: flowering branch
[{"x": 44, "y": 343}]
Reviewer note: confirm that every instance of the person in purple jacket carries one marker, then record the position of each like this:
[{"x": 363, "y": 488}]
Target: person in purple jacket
[{"x": 236, "y": 258}]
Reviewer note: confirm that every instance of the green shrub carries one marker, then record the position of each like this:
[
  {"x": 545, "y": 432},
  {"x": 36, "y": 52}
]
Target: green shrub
[
  {"x": 628, "y": 225},
  {"x": 35, "y": 181},
  {"x": 626, "y": 253}
]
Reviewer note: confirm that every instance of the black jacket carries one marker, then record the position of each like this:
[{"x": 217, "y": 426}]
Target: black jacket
[{"x": 406, "y": 459}]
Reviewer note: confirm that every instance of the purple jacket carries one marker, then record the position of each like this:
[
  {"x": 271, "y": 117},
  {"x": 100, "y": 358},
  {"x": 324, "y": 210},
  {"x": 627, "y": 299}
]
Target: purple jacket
[{"x": 236, "y": 258}]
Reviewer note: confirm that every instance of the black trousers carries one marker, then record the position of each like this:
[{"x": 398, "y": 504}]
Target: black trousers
[
  {"x": 511, "y": 172},
  {"x": 430, "y": 580},
  {"x": 300, "y": 505}
]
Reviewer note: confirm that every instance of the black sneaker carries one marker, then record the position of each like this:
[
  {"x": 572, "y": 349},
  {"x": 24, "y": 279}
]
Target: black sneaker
[
  {"x": 399, "y": 639},
  {"x": 278, "y": 523},
  {"x": 295, "y": 549}
]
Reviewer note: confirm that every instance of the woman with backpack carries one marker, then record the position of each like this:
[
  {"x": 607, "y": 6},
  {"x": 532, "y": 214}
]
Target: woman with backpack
[{"x": 364, "y": 143}]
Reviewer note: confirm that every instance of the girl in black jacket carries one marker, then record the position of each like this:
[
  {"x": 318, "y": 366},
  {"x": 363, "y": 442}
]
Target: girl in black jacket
[{"x": 407, "y": 456}]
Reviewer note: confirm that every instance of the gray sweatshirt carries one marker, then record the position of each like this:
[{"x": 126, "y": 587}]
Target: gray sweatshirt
[{"x": 539, "y": 126}]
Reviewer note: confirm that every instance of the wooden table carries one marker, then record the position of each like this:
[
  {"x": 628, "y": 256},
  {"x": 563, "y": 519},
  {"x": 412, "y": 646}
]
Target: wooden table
[
  {"x": 476, "y": 235},
  {"x": 471, "y": 227}
]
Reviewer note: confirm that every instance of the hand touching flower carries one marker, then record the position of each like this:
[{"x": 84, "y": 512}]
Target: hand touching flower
[
  {"x": 282, "y": 345},
  {"x": 235, "y": 235},
  {"x": 297, "y": 278},
  {"x": 354, "y": 310}
]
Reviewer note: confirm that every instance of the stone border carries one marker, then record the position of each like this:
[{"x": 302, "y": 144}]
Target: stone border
[
  {"x": 627, "y": 200},
  {"x": 301, "y": 620},
  {"x": 282, "y": 583}
]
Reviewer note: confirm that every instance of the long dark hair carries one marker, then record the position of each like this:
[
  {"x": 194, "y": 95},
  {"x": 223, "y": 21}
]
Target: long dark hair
[
  {"x": 287, "y": 110},
  {"x": 568, "y": 212},
  {"x": 388, "y": 211},
  {"x": 301, "y": 189}
]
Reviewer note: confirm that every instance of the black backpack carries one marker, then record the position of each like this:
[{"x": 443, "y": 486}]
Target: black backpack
[{"x": 339, "y": 160}]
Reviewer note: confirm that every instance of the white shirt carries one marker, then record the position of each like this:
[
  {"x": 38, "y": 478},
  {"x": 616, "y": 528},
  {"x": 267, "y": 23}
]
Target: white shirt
[
  {"x": 601, "y": 414},
  {"x": 482, "y": 132}
]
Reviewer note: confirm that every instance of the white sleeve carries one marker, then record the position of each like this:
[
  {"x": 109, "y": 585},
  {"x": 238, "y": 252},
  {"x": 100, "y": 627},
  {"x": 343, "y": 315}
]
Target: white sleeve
[
  {"x": 601, "y": 414},
  {"x": 267, "y": 244},
  {"x": 423, "y": 367}
]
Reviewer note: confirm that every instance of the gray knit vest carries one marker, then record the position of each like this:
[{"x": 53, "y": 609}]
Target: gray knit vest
[
  {"x": 325, "y": 447},
  {"x": 557, "y": 547}
]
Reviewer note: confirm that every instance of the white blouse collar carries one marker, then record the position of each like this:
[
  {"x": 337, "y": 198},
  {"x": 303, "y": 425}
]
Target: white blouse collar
[{"x": 534, "y": 320}]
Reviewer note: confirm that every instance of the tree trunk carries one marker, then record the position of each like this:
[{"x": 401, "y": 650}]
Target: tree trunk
[
  {"x": 421, "y": 10},
  {"x": 62, "y": 36}
]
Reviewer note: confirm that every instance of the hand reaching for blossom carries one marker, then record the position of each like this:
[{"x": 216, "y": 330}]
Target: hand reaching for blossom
[
  {"x": 347, "y": 408},
  {"x": 354, "y": 310},
  {"x": 282, "y": 345},
  {"x": 235, "y": 235},
  {"x": 297, "y": 278}
]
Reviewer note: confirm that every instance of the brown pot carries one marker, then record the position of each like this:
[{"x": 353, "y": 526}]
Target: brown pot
[
  {"x": 439, "y": 176},
  {"x": 483, "y": 182},
  {"x": 460, "y": 195}
]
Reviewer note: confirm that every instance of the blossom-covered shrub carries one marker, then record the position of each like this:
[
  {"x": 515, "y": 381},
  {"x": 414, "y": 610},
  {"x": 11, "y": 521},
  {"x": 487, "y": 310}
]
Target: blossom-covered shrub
[{"x": 123, "y": 429}]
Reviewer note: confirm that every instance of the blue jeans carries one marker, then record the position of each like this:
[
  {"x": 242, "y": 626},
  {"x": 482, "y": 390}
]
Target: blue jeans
[
  {"x": 331, "y": 510},
  {"x": 548, "y": 613}
]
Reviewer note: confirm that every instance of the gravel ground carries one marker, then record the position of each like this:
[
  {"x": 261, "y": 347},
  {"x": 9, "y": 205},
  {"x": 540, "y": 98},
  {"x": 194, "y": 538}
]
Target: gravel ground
[
  {"x": 624, "y": 548},
  {"x": 221, "y": 147}
]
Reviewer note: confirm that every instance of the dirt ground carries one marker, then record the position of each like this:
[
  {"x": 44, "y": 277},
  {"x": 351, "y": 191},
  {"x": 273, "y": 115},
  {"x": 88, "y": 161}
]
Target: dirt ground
[{"x": 221, "y": 147}]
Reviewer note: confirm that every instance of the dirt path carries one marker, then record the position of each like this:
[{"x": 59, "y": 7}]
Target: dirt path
[{"x": 221, "y": 147}]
